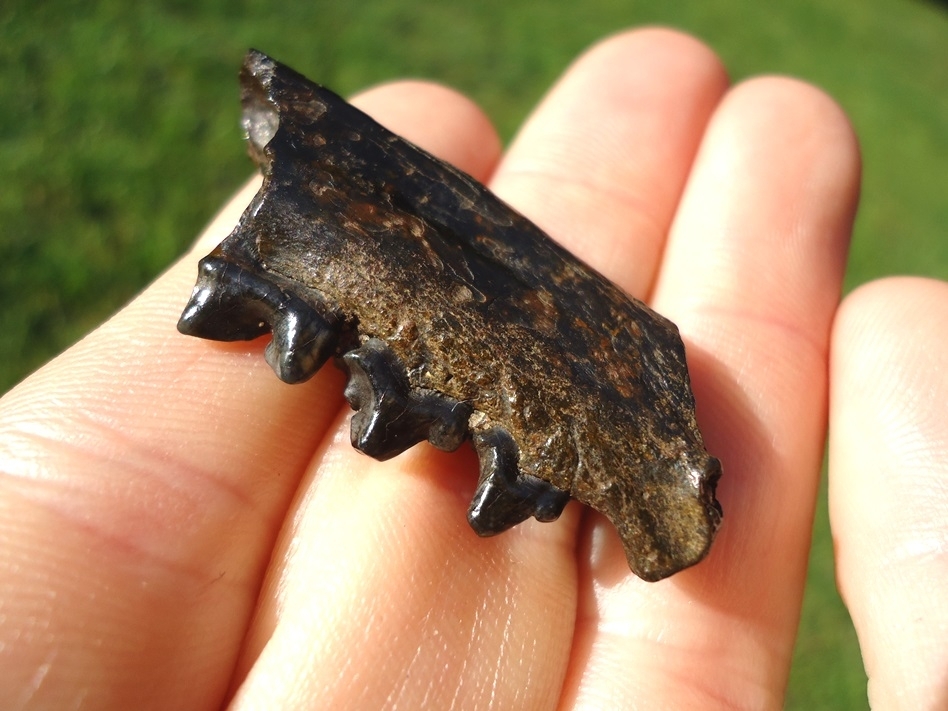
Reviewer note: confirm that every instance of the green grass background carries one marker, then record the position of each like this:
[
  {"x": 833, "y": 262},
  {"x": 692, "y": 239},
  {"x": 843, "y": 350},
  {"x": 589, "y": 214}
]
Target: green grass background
[{"x": 119, "y": 139}]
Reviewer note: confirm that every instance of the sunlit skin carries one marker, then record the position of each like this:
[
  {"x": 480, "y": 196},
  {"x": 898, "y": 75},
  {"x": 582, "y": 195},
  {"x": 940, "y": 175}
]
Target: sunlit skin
[{"x": 179, "y": 529}]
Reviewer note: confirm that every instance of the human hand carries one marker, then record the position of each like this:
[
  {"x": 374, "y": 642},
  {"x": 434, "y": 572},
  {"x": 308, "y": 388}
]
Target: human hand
[{"x": 180, "y": 529}]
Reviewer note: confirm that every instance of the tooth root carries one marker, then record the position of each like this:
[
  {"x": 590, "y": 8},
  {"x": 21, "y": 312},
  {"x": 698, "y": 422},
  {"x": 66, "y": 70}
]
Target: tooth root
[
  {"x": 505, "y": 496},
  {"x": 389, "y": 416},
  {"x": 230, "y": 303}
]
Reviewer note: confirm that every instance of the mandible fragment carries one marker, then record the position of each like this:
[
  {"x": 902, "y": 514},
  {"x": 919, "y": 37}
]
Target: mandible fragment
[{"x": 456, "y": 318}]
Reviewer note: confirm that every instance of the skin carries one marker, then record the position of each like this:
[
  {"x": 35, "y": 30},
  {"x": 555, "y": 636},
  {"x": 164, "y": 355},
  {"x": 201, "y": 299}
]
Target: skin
[{"x": 179, "y": 529}]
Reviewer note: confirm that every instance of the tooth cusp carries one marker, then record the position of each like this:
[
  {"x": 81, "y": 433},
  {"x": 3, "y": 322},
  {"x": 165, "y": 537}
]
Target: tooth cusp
[
  {"x": 231, "y": 303},
  {"x": 390, "y": 417},
  {"x": 505, "y": 496},
  {"x": 226, "y": 303},
  {"x": 302, "y": 341}
]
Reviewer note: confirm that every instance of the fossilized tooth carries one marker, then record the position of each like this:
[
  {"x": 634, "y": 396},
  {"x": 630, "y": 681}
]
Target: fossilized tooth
[{"x": 455, "y": 317}]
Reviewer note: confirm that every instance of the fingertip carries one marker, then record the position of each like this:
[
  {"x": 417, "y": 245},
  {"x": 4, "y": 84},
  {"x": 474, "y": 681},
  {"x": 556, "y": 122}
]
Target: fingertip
[
  {"x": 797, "y": 117},
  {"x": 767, "y": 217},
  {"x": 601, "y": 163},
  {"x": 889, "y": 307},
  {"x": 887, "y": 372},
  {"x": 662, "y": 45},
  {"x": 887, "y": 322},
  {"x": 790, "y": 103}
]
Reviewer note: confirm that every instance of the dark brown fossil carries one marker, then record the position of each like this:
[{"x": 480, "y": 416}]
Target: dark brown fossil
[{"x": 455, "y": 317}]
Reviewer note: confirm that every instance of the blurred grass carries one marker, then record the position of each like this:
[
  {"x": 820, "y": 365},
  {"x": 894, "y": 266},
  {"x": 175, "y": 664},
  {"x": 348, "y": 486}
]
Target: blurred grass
[{"x": 119, "y": 139}]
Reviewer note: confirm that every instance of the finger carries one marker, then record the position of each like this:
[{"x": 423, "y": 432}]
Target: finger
[
  {"x": 145, "y": 478},
  {"x": 889, "y": 485},
  {"x": 442, "y": 619},
  {"x": 751, "y": 276},
  {"x": 603, "y": 160}
]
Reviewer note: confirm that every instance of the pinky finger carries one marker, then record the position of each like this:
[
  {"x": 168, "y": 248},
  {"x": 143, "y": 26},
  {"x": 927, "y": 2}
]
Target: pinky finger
[{"x": 889, "y": 485}]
